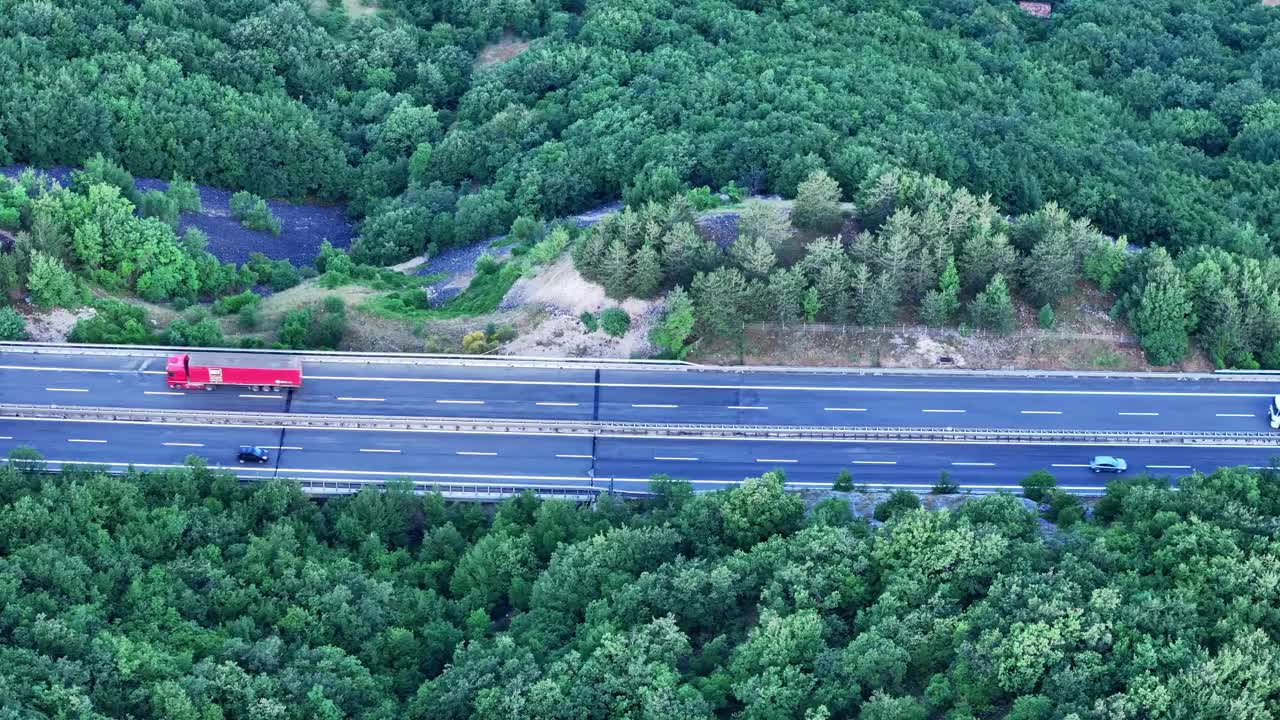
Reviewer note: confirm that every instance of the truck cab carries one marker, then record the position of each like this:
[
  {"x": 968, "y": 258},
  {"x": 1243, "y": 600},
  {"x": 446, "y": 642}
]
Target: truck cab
[
  {"x": 1273, "y": 412},
  {"x": 176, "y": 370}
]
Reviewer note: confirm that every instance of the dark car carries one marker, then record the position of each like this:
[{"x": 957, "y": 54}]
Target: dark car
[
  {"x": 1106, "y": 463},
  {"x": 252, "y": 453}
]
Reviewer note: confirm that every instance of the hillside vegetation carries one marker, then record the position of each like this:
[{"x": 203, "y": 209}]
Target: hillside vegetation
[
  {"x": 1156, "y": 121},
  {"x": 182, "y": 596}
]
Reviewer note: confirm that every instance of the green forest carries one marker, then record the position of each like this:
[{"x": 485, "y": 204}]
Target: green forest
[
  {"x": 181, "y": 595},
  {"x": 1154, "y": 122}
]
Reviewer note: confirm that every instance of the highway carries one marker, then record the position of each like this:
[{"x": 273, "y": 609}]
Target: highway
[
  {"x": 642, "y": 395},
  {"x": 621, "y": 462},
  {"x": 704, "y": 396}
]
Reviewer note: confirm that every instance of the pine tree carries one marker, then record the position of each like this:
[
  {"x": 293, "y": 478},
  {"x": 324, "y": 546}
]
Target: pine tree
[
  {"x": 1163, "y": 315},
  {"x": 812, "y": 304},
  {"x": 615, "y": 270},
  {"x": 684, "y": 254},
  {"x": 940, "y": 305},
  {"x": 646, "y": 275},
  {"x": 993, "y": 308},
  {"x": 786, "y": 294},
  {"x": 721, "y": 299},
  {"x": 762, "y": 221},
  {"x": 754, "y": 256},
  {"x": 833, "y": 290},
  {"x": 984, "y": 255},
  {"x": 1052, "y": 269},
  {"x": 817, "y": 203},
  {"x": 589, "y": 254},
  {"x": 879, "y": 301}
]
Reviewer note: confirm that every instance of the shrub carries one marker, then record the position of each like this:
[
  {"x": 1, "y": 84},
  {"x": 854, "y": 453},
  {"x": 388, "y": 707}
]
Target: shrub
[
  {"x": 236, "y": 303},
  {"x": 184, "y": 195},
  {"x": 116, "y": 323},
  {"x": 487, "y": 264},
  {"x": 201, "y": 332},
  {"x": 901, "y": 501},
  {"x": 1037, "y": 484},
  {"x": 844, "y": 481},
  {"x": 1064, "y": 508},
  {"x": 283, "y": 276},
  {"x": 833, "y": 512},
  {"x": 293, "y": 328},
  {"x": 701, "y": 198},
  {"x": 51, "y": 284},
  {"x": 106, "y": 279},
  {"x": 159, "y": 206},
  {"x": 945, "y": 485},
  {"x": 589, "y": 321},
  {"x": 1046, "y": 317},
  {"x": 248, "y": 317},
  {"x": 253, "y": 213},
  {"x": 615, "y": 321},
  {"x": 476, "y": 343},
  {"x": 12, "y": 325}
]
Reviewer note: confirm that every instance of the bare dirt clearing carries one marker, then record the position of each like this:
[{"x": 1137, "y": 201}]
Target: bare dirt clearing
[
  {"x": 52, "y": 325},
  {"x": 559, "y": 295}
]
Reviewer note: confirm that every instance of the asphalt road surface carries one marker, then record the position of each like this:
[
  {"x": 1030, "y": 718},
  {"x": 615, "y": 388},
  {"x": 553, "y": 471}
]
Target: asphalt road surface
[
  {"x": 657, "y": 396},
  {"x": 636, "y": 395}
]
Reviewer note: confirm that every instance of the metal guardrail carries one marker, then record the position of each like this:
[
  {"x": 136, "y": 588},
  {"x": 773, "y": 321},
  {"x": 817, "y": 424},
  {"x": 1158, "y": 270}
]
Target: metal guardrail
[
  {"x": 451, "y": 490},
  {"x": 370, "y": 358},
  {"x": 604, "y": 428}
]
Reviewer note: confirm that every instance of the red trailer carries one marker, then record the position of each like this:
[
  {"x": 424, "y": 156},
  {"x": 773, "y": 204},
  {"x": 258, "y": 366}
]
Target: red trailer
[{"x": 193, "y": 371}]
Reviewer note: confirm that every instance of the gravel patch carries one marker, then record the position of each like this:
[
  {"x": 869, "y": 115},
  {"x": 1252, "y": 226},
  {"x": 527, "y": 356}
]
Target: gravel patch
[{"x": 302, "y": 227}]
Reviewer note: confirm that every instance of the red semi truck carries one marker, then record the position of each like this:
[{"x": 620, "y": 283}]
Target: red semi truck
[{"x": 195, "y": 371}]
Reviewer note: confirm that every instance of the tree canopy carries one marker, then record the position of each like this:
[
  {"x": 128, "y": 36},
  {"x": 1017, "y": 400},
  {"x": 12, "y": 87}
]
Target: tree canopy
[{"x": 182, "y": 594}]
